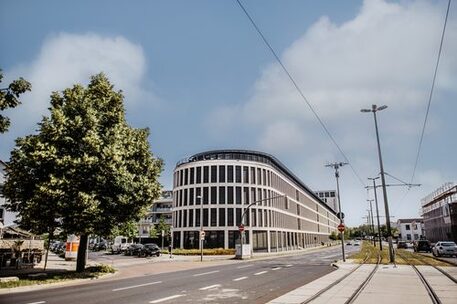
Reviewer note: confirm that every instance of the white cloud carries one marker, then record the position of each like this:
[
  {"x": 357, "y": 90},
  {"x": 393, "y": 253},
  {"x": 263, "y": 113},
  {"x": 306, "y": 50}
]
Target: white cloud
[
  {"x": 384, "y": 55},
  {"x": 66, "y": 59}
]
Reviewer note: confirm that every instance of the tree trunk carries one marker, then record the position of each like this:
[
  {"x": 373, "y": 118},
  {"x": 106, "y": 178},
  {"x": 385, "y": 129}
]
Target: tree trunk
[
  {"x": 81, "y": 258},
  {"x": 51, "y": 236}
]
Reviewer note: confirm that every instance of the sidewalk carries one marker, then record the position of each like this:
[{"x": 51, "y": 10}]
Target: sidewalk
[{"x": 390, "y": 284}]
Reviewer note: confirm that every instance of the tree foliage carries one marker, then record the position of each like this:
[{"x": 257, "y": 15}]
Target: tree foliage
[
  {"x": 9, "y": 98},
  {"x": 86, "y": 171}
]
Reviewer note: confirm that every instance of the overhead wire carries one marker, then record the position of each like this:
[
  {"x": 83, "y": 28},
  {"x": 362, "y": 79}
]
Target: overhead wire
[
  {"x": 431, "y": 93},
  {"x": 300, "y": 92}
]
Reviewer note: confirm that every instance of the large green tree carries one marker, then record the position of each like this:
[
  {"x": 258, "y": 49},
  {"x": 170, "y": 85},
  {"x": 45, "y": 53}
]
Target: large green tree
[
  {"x": 86, "y": 168},
  {"x": 9, "y": 98}
]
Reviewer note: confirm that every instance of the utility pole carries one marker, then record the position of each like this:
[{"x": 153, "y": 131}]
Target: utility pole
[
  {"x": 372, "y": 221},
  {"x": 336, "y": 166},
  {"x": 377, "y": 210},
  {"x": 374, "y": 109}
]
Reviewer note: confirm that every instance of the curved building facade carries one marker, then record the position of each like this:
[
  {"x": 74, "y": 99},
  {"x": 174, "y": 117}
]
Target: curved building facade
[{"x": 212, "y": 190}]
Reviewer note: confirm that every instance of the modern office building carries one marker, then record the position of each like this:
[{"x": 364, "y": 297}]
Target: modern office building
[
  {"x": 160, "y": 208},
  {"x": 213, "y": 189},
  {"x": 410, "y": 229},
  {"x": 439, "y": 210},
  {"x": 329, "y": 197}
]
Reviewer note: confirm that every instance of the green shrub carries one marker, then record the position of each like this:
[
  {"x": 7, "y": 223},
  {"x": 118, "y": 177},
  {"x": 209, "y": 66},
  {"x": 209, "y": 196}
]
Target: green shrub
[{"x": 214, "y": 251}]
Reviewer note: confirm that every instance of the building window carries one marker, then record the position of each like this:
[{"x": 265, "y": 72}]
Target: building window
[
  {"x": 230, "y": 217},
  {"x": 192, "y": 172},
  {"x": 205, "y": 196},
  {"x": 213, "y": 195},
  {"x": 184, "y": 219},
  {"x": 185, "y": 197},
  {"x": 191, "y": 218},
  {"x": 229, "y": 195},
  {"x": 238, "y": 216},
  {"x": 407, "y": 227},
  {"x": 191, "y": 196},
  {"x": 199, "y": 196},
  {"x": 197, "y": 218},
  {"x": 238, "y": 174},
  {"x": 229, "y": 174},
  {"x": 246, "y": 175},
  {"x": 205, "y": 174},
  {"x": 246, "y": 195},
  {"x": 238, "y": 195},
  {"x": 199, "y": 175},
  {"x": 259, "y": 176},
  {"x": 186, "y": 176},
  {"x": 205, "y": 217},
  {"x": 252, "y": 175},
  {"x": 213, "y": 217},
  {"x": 221, "y": 174},
  {"x": 214, "y": 174},
  {"x": 221, "y": 195}
]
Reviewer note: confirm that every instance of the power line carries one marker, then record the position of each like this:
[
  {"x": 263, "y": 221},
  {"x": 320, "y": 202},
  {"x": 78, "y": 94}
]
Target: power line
[
  {"x": 431, "y": 93},
  {"x": 299, "y": 90}
]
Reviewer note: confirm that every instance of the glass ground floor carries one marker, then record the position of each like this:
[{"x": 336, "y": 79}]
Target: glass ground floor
[{"x": 260, "y": 240}]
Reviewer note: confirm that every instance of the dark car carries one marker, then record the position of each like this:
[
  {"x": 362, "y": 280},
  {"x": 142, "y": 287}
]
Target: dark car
[
  {"x": 402, "y": 245},
  {"x": 422, "y": 245},
  {"x": 150, "y": 249},
  {"x": 133, "y": 249}
]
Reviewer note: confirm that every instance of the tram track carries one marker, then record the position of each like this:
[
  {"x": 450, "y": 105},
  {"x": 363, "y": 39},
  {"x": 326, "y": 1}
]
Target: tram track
[
  {"x": 426, "y": 282},
  {"x": 358, "y": 290}
]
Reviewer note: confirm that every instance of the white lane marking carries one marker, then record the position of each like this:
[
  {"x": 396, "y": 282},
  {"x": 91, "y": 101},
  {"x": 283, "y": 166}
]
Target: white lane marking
[
  {"x": 239, "y": 279},
  {"x": 166, "y": 299},
  {"x": 259, "y": 273},
  {"x": 276, "y": 268},
  {"x": 40, "y": 302},
  {"x": 209, "y": 287},
  {"x": 290, "y": 265},
  {"x": 205, "y": 273},
  {"x": 135, "y": 286},
  {"x": 239, "y": 267}
]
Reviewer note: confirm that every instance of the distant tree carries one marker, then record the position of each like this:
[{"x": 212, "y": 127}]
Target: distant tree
[
  {"x": 163, "y": 226},
  {"x": 128, "y": 229},
  {"x": 153, "y": 232},
  {"x": 9, "y": 98},
  {"x": 333, "y": 236},
  {"x": 87, "y": 169}
]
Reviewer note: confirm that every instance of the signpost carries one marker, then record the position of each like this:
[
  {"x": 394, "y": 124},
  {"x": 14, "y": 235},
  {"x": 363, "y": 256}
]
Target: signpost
[
  {"x": 341, "y": 227},
  {"x": 241, "y": 228}
]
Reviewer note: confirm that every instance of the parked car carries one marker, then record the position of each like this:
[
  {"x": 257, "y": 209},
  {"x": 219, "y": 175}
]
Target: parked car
[
  {"x": 422, "y": 245},
  {"x": 402, "y": 245},
  {"x": 444, "y": 248},
  {"x": 149, "y": 249},
  {"x": 120, "y": 244},
  {"x": 134, "y": 249}
]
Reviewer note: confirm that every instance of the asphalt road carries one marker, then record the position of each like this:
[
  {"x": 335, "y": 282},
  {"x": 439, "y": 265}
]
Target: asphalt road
[{"x": 255, "y": 281}]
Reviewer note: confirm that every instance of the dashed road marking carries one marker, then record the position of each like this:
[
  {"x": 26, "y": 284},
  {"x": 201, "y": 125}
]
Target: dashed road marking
[
  {"x": 205, "y": 273},
  {"x": 39, "y": 302},
  {"x": 276, "y": 268},
  {"x": 289, "y": 265},
  {"x": 245, "y": 266},
  {"x": 239, "y": 279},
  {"x": 166, "y": 299},
  {"x": 135, "y": 286},
  {"x": 210, "y": 287},
  {"x": 259, "y": 273}
]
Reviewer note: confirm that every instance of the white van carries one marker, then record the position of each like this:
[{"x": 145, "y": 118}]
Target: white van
[{"x": 120, "y": 244}]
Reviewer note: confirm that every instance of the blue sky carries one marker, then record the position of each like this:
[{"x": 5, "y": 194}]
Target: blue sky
[{"x": 197, "y": 74}]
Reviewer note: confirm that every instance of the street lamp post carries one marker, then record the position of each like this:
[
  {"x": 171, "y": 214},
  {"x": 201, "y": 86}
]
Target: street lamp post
[
  {"x": 374, "y": 109},
  {"x": 336, "y": 166},
  {"x": 244, "y": 213},
  {"x": 377, "y": 210},
  {"x": 372, "y": 221}
]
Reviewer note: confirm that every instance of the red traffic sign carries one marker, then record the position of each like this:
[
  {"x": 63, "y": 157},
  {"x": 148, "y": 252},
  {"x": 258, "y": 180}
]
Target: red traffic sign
[
  {"x": 341, "y": 227},
  {"x": 241, "y": 228}
]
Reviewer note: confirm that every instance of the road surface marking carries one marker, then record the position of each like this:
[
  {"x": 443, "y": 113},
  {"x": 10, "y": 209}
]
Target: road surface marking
[
  {"x": 276, "y": 268},
  {"x": 290, "y": 265},
  {"x": 209, "y": 287},
  {"x": 135, "y": 286},
  {"x": 40, "y": 302},
  {"x": 239, "y": 267},
  {"x": 166, "y": 299},
  {"x": 259, "y": 273},
  {"x": 204, "y": 273},
  {"x": 239, "y": 279}
]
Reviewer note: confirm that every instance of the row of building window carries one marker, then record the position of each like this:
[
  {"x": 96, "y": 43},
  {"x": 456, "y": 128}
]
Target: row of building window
[
  {"x": 230, "y": 217},
  {"x": 222, "y": 174}
]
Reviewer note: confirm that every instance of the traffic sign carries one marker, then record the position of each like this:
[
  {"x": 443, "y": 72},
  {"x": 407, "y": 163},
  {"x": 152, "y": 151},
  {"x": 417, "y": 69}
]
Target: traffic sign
[
  {"x": 241, "y": 228},
  {"x": 202, "y": 235},
  {"x": 341, "y": 227}
]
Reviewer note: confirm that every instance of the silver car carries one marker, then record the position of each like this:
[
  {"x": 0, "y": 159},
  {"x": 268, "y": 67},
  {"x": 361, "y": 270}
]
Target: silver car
[{"x": 444, "y": 248}]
